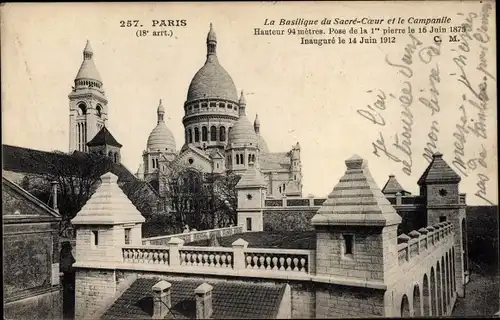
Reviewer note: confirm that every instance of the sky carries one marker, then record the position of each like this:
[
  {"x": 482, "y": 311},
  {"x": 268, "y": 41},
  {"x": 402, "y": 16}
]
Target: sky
[{"x": 324, "y": 97}]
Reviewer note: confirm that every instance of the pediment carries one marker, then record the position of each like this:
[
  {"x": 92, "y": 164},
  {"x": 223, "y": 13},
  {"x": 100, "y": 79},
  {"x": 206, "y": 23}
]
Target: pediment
[
  {"x": 20, "y": 204},
  {"x": 194, "y": 159}
]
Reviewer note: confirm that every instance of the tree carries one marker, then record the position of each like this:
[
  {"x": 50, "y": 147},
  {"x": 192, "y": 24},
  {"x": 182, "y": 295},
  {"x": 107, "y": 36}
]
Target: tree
[
  {"x": 78, "y": 176},
  {"x": 199, "y": 200}
]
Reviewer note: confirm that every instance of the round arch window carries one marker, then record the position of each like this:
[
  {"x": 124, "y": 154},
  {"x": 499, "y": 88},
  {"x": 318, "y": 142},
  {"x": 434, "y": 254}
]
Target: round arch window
[{"x": 191, "y": 160}]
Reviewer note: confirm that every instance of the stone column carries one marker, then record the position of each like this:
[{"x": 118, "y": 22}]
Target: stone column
[
  {"x": 204, "y": 301},
  {"x": 162, "y": 299}
]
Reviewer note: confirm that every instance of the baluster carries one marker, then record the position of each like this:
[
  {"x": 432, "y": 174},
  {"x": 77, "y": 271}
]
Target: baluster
[
  {"x": 183, "y": 257},
  {"x": 205, "y": 260},
  {"x": 275, "y": 263},
  {"x": 165, "y": 261},
  {"x": 194, "y": 257},
  {"x": 223, "y": 260},
  {"x": 160, "y": 258},
  {"x": 255, "y": 262},
  {"x": 303, "y": 265},
  {"x": 249, "y": 261},
  {"x": 282, "y": 264},
  {"x": 295, "y": 264},
  {"x": 268, "y": 263},
  {"x": 125, "y": 255},
  {"x": 141, "y": 256},
  {"x": 211, "y": 256},
  {"x": 217, "y": 260},
  {"x": 288, "y": 264},
  {"x": 261, "y": 260},
  {"x": 229, "y": 259},
  {"x": 155, "y": 257},
  {"x": 136, "y": 254}
]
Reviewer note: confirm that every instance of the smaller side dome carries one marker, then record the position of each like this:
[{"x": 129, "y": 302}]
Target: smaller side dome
[
  {"x": 243, "y": 132},
  {"x": 161, "y": 138}
]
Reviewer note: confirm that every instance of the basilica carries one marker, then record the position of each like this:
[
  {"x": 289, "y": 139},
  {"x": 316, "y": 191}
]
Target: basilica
[{"x": 218, "y": 136}]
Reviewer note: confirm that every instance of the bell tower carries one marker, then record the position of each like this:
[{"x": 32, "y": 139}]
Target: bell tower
[{"x": 88, "y": 106}]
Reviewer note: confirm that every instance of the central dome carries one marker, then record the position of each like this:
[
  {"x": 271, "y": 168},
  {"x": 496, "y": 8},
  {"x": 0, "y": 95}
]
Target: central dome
[{"x": 212, "y": 80}]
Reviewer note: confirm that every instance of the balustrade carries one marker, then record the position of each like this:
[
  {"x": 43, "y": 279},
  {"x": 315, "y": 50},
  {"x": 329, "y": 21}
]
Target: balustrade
[
  {"x": 277, "y": 260},
  {"x": 145, "y": 254},
  {"x": 206, "y": 257}
]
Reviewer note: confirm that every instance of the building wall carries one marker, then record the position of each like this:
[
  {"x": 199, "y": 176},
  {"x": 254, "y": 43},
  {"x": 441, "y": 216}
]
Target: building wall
[
  {"x": 93, "y": 290},
  {"x": 30, "y": 259},
  {"x": 348, "y": 302},
  {"x": 47, "y": 305}
]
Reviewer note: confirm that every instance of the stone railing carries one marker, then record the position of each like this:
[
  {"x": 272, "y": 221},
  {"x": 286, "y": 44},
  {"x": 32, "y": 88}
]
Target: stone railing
[
  {"x": 193, "y": 236},
  {"x": 146, "y": 254},
  {"x": 279, "y": 260},
  {"x": 293, "y": 202},
  {"x": 238, "y": 258},
  {"x": 423, "y": 240}
]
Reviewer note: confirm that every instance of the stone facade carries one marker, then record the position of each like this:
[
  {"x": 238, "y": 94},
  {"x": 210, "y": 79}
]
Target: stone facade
[{"x": 30, "y": 257}]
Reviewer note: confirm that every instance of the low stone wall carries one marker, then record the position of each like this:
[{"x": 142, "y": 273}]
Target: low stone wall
[
  {"x": 193, "y": 236},
  {"x": 287, "y": 219}
]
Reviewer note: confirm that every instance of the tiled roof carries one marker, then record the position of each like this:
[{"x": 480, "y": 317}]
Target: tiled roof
[
  {"x": 392, "y": 186},
  {"x": 438, "y": 171},
  {"x": 230, "y": 300},
  {"x": 104, "y": 137},
  {"x": 274, "y": 160}
]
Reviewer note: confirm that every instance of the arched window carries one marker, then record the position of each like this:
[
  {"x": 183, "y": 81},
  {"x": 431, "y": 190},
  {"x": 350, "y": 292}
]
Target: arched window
[
  {"x": 110, "y": 154},
  {"x": 249, "y": 158},
  {"x": 213, "y": 133},
  {"x": 439, "y": 290},
  {"x": 237, "y": 159},
  {"x": 204, "y": 133},
  {"x": 405, "y": 307},
  {"x": 83, "y": 108},
  {"x": 253, "y": 157},
  {"x": 416, "y": 301},
  {"x": 116, "y": 157},
  {"x": 190, "y": 136},
  {"x": 222, "y": 134},
  {"x": 241, "y": 159},
  {"x": 433, "y": 293},
  {"x": 196, "y": 134},
  {"x": 98, "y": 110},
  {"x": 426, "y": 296}
]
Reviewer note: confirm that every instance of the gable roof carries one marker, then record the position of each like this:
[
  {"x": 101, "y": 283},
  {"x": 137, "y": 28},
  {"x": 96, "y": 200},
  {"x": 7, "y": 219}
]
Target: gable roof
[
  {"x": 6, "y": 184},
  {"x": 392, "y": 186},
  {"x": 438, "y": 171},
  {"x": 104, "y": 137},
  {"x": 274, "y": 160},
  {"x": 230, "y": 300},
  {"x": 31, "y": 161}
]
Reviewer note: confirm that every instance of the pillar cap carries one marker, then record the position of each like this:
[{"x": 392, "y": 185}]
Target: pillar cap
[
  {"x": 240, "y": 243},
  {"x": 203, "y": 288},
  {"x": 162, "y": 286}
]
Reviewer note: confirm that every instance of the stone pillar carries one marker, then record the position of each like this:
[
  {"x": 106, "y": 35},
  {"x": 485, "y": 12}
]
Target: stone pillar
[
  {"x": 203, "y": 301},
  {"x": 173, "y": 254},
  {"x": 162, "y": 299},
  {"x": 238, "y": 254}
]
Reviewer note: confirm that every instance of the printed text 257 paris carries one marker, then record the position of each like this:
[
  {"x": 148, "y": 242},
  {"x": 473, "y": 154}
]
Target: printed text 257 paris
[{"x": 129, "y": 23}]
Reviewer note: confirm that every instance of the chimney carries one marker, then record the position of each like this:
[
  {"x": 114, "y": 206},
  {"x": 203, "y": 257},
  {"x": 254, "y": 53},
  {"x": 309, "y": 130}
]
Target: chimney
[
  {"x": 203, "y": 301},
  {"x": 398, "y": 198},
  {"x": 162, "y": 301},
  {"x": 54, "y": 196}
]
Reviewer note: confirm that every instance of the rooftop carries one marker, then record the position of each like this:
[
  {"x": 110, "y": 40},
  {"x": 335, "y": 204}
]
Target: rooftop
[{"x": 231, "y": 300}]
